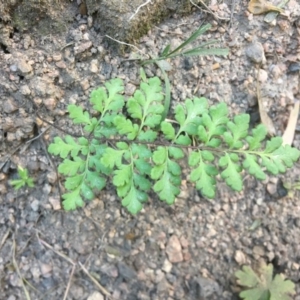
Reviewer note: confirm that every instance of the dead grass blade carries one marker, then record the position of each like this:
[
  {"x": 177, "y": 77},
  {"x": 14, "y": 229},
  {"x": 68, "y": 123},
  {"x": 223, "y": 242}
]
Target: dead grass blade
[
  {"x": 288, "y": 136},
  {"x": 18, "y": 270},
  {"x": 69, "y": 283},
  {"x": 4, "y": 238},
  {"x": 100, "y": 287},
  {"x": 265, "y": 119}
]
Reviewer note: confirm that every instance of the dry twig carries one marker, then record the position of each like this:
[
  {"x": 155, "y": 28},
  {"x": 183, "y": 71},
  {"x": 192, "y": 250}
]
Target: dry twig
[
  {"x": 18, "y": 270},
  {"x": 137, "y": 10}
]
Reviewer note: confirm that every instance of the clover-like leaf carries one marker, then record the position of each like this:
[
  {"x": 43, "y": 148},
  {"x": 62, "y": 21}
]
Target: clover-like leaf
[{"x": 263, "y": 286}]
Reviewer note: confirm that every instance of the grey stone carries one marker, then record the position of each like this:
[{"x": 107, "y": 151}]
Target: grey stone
[
  {"x": 35, "y": 205},
  {"x": 95, "y": 296},
  {"x": 125, "y": 271},
  {"x": 23, "y": 67},
  {"x": 173, "y": 250},
  {"x": 9, "y": 106},
  {"x": 255, "y": 52}
]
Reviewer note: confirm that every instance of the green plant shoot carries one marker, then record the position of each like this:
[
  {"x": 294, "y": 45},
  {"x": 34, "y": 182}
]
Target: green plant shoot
[{"x": 24, "y": 180}]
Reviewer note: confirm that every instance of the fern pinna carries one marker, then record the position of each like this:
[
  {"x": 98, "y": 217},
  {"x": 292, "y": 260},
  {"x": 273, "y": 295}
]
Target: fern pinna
[{"x": 129, "y": 144}]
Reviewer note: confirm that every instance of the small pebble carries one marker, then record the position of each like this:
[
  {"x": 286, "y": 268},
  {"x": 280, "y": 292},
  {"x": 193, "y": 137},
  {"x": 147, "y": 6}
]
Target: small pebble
[{"x": 255, "y": 52}]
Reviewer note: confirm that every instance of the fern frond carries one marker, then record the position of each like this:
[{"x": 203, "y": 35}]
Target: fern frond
[{"x": 140, "y": 151}]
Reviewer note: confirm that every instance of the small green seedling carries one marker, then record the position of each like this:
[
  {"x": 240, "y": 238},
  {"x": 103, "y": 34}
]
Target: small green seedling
[
  {"x": 292, "y": 187},
  {"x": 24, "y": 179},
  {"x": 262, "y": 285},
  {"x": 181, "y": 50}
]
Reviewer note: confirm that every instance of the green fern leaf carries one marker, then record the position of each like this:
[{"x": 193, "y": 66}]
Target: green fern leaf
[
  {"x": 133, "y": 200},
  {"x": 94, "y": 180},
  {"x": 189, "y": 117},
  {"x": 111, "y": 158},
  {"x": 168, "y": 130},
  {"x": 183, "y": 140},
  {"x": 72, "y": 167},
  {"x": 70, "y": 147},
  {"x": 286, "y": 155},
  {"x": 168, "y": 171},
  {"x": 73, "y": 182},
  {"x": 147, "y": 136},
  {"x": 176, "y": 153},
  {"x": 114, "y": 101},
  {"x": 160, "y": 155},
  {"x": 213, "y": 123},
  {"x": 231, "y": 174},
  {"x": 72, "y": 200},
  {"x": 239, "y": 129},
  {"x": 142, "y": 182},
  {"x": 122, "y": 176},
  {"x": 125, "y": 126},
  {"x": 141, "y": 151},
  {"x": 146, "y": 105},
  {"x": 204, "y": 174},
  {"x": 250, "y": 163},
  {"x": 166, "y": 189},
  {"x": 277, "y": 158},
  {"x": 86, "y": 191},
  {"x": 134, "y": 107},
  {"x": 78, "y": 115},
  {"x": 157, "y": 172},
  {"x": 142, "y": 166},
  {"x": 259, "y": 134},
  {"x": 273, "y": 144}
]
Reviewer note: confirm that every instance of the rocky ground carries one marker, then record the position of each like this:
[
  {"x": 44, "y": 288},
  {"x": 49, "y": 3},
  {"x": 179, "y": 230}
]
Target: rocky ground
[{"x": 186, "y": 251}]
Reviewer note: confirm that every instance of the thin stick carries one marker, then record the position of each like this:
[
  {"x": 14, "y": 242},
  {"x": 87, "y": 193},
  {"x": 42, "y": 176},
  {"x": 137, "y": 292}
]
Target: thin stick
[
  {"x": 123, "y": 43},
  {"x": 18, "y": 270},
  {"x": 232, "y": 11},
  {"x": 209, "y": 10},
  {"x": 57, "y": 252},
  {"x": 4, "y": 238},
  {"x": 101, "y": 288},
  {"x": 38, "y": 136},
  {"x": 69, "y": 283},
  {"x": 137, "y": 10}
]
